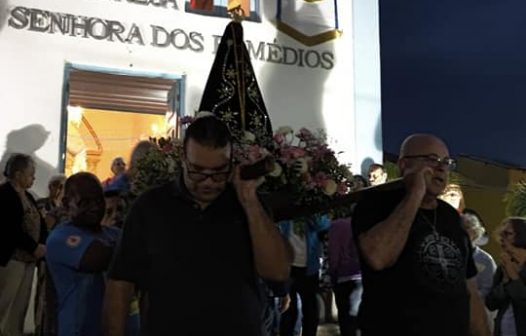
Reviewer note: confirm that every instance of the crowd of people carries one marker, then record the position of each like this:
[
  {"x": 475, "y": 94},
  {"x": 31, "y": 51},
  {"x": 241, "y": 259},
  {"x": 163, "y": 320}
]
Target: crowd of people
[{"x": 202, "y": 255}]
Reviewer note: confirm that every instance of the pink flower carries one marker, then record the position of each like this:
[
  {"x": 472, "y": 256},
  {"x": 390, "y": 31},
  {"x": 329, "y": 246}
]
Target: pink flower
[
  {"x": 293, "y": 152},
  {"x": 279, "y": 138},
  {"x": 289, "y": 154},
  {"x": 342, "y": 188},
  {"x": 167, "y": 148}
]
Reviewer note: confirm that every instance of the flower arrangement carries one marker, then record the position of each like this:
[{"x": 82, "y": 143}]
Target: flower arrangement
[
  {"x": 159, "y": 165},
  {"x": 306, "y": 170}
]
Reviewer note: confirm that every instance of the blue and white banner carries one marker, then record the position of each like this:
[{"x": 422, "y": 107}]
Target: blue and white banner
[{"x": 310, "y": 22}]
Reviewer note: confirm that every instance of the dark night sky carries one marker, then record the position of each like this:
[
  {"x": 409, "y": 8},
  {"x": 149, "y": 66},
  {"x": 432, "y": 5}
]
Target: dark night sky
[{"x": 456, "y": 68}]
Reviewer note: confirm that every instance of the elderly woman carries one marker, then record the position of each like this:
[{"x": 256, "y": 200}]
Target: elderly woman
[
  {"x": 508, "y": 295},
  {"x": 50, "y": 206},
  {"x": 118, "y": 167},
  {"x": 485, "y": 264},
  {"x": 21, "y": 232}
]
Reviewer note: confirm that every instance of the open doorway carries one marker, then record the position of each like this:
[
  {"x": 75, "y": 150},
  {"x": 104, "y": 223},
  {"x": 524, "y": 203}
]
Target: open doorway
[{"x": 105, "y": 113}]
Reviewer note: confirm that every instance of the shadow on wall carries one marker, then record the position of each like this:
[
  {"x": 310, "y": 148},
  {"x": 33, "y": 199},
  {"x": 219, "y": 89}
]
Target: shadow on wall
[
  {"x": 309, "y": 83},
  {"x": 364, "y": 167},
  {"x": 378, "y": 141},
  {"x": 29, "y": 140}
]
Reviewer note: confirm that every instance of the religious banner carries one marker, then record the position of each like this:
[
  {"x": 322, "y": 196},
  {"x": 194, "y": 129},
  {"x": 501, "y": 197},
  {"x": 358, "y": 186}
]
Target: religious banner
[{"x": 310, "y": 22}]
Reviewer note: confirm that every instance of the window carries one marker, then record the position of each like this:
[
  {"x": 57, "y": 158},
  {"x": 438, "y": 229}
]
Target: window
[{"x": 220, "y": 8}]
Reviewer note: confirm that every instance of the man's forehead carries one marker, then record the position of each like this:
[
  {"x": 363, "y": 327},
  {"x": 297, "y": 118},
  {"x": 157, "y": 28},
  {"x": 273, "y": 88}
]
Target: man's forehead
[
  {"x": 201, "y": 149},
  {"x": 208, "y": 157},
  {"x": 376, "y": 171},
  {"x": 426, "y": 146}
]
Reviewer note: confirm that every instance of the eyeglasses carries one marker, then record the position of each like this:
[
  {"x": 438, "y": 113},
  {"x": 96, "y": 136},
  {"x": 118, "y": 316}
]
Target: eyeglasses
[
  {"x": 200, "y": 177},
  {"x": 434, "y": 160}
]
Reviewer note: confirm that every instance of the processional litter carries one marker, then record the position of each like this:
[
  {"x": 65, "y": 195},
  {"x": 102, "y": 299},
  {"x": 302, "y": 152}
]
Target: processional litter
[{"x": 232, "y": 94}]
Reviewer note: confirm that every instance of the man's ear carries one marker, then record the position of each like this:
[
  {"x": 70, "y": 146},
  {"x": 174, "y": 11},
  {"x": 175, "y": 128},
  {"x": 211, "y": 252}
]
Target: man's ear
[{"x": 402, "y": 165}]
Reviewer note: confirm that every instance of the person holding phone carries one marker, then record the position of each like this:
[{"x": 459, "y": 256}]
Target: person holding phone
[
  {"x": 508, "y": 293},
  {"x": 197, "y": 246},
  {"x": 418, "y": 271}
]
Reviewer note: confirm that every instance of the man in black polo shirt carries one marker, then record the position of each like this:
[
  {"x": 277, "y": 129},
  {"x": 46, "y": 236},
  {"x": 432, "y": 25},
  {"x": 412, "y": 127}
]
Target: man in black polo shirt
[
  {"x": 197, "y": 246},
  {"x": 417, "y": 268}
]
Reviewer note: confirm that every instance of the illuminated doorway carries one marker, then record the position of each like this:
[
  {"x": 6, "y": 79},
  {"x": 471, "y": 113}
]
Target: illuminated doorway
[{"x": 106, "y": 113}]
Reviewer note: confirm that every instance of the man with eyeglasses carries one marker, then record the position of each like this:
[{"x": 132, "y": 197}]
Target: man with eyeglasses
[
  {"x": 417, "y": 266},
  {"x": 196, "y": 247}
]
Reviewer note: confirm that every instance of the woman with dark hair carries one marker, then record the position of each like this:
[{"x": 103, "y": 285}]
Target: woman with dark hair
[
  {"x": 79, "y": 251},
  {"x": 359, "y": 182},
  {"x": 22, "y": 232},
  {"x": 508, "y": 295}
]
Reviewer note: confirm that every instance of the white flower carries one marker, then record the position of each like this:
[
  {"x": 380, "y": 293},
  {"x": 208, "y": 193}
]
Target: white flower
[
  {"x": 301, "y": 165},
  {"x": 284, "y": 130},
  {"x": 330, "y": 188},
  {"x": 277, "y": 171},
  {"x": 249, "y": 137}
]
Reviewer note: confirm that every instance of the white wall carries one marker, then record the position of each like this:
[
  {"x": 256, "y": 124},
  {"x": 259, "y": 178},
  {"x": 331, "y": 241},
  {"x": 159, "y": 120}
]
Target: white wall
[{"x": 32, "y": 72}]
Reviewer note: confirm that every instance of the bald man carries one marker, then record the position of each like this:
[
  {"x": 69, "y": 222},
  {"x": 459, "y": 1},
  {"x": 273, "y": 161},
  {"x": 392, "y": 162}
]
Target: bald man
[{"x": 418, "y": 273}]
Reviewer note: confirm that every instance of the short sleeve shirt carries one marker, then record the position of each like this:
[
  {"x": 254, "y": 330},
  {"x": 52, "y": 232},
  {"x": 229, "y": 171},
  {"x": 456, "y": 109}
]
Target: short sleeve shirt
[
  {"x": 424, "y": 293},
  {"x": 79, "y": 294},
  {"x": 196, "y": 266}
]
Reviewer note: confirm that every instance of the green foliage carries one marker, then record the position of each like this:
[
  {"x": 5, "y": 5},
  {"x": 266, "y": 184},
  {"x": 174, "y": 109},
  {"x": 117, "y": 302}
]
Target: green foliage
[
  {"x": 516, "y": 200},
  {"x": 158, "y": 166},
  {"x": 455, "y": 178},
  {"x": 392, "y": 170}
]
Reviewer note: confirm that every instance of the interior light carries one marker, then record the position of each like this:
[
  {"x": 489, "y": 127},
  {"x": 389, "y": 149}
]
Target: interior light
[{"x": 75, "y": 114}]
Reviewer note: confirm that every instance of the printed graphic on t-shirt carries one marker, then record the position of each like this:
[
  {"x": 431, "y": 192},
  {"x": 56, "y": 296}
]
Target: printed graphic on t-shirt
[
  {"x": 480, "y": 267},
  {"x": 440, "y": 262}
]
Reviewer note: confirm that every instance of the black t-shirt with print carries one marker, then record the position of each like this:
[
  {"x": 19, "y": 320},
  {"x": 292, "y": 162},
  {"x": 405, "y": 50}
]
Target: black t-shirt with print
[
  {"x": 196, "y": 266},
  {"x": 424, "y": 293}
]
